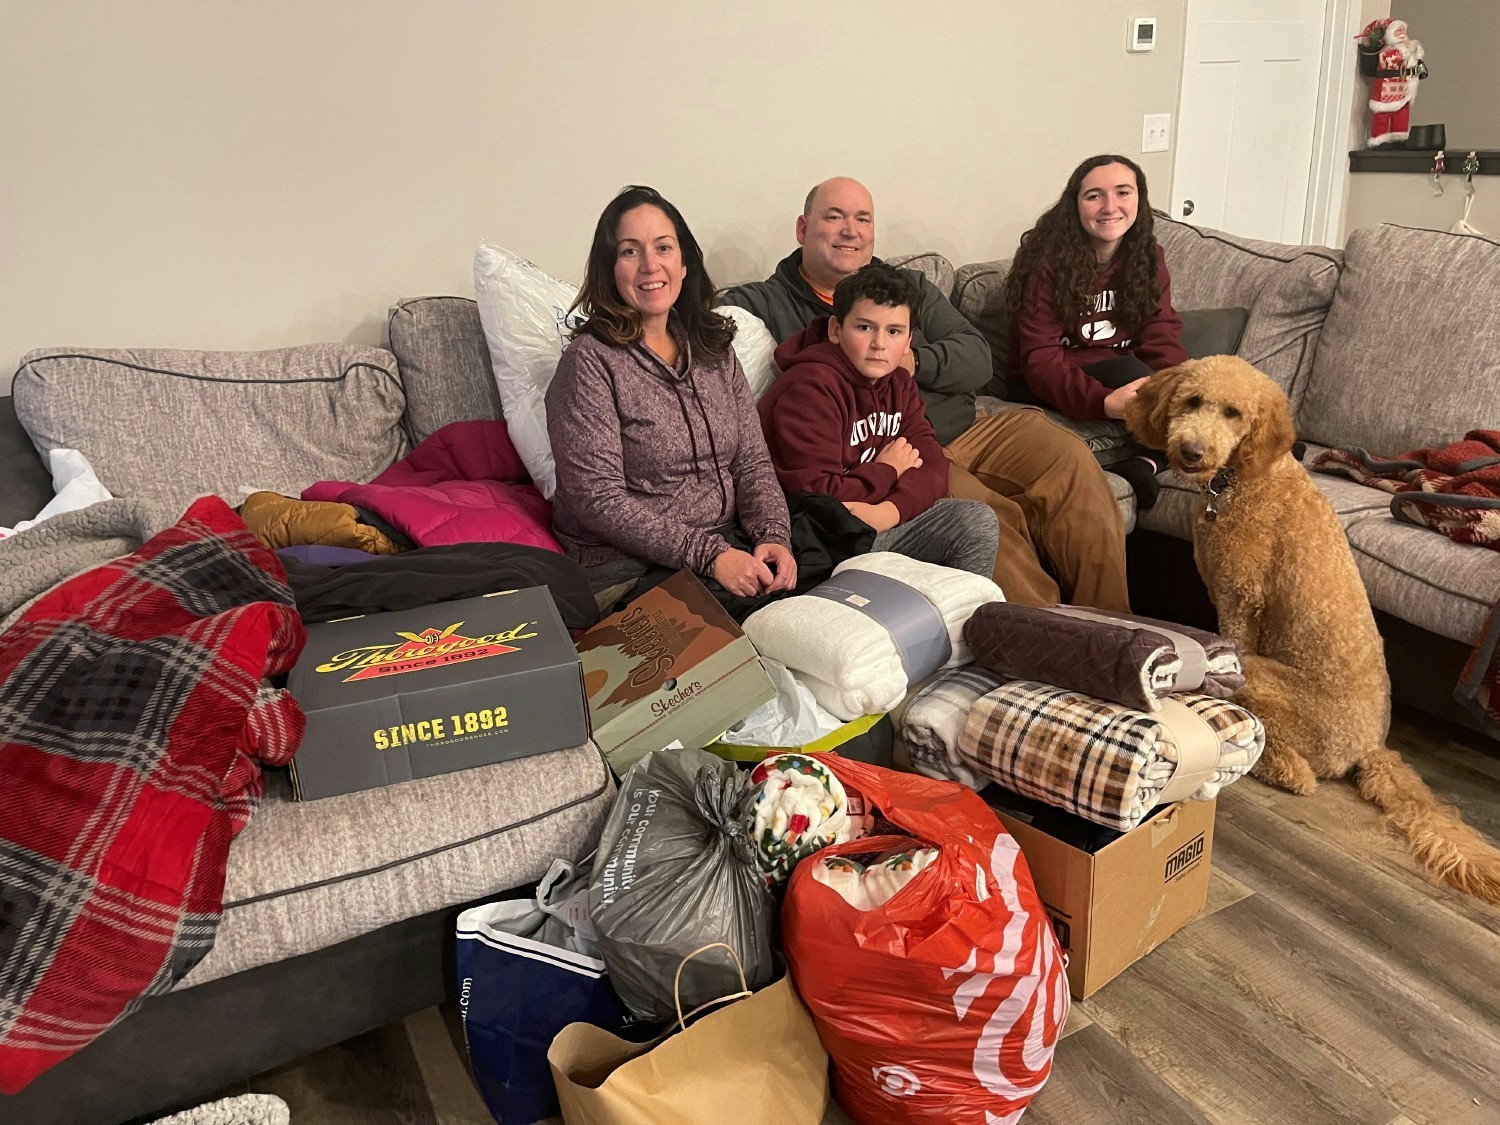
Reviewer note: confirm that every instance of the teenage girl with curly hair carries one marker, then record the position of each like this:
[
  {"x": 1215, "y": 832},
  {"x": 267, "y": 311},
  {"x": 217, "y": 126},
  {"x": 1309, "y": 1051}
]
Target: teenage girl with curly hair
[{"x": 1093, "y": 303}]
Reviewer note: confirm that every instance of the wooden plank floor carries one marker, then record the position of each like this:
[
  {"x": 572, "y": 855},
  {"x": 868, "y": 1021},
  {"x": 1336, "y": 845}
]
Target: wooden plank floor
[{"x": 1325, "y": 982}]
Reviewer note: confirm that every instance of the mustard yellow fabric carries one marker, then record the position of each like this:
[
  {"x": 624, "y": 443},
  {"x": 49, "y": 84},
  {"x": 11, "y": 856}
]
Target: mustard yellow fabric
[{"x": 281, "y": 521}]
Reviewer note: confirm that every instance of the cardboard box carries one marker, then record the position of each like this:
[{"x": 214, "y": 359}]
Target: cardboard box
[
  {"x": 449, "y": 686},
  {"x": 670, "y": 668},
  {"x": 1115, "y": 906}
]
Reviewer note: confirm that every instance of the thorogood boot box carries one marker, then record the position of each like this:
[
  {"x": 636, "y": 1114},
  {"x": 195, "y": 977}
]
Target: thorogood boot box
[
  {"x": 395, "y": 696},
  {"x": 1116, "y": 905},
  {"x": 670, "y": 669}
]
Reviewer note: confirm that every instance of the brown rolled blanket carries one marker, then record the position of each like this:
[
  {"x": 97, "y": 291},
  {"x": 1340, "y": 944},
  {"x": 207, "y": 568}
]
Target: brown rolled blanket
[{"x": 1129, "y": 660}]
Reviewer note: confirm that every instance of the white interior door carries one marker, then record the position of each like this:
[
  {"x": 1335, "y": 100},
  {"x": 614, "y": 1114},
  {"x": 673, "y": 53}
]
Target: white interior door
[{"x": 1248, "y": 112}]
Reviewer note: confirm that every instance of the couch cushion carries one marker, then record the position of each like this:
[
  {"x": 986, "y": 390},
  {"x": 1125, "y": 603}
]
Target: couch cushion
[
  {"x": 1108, "y": 440},
  {"x": 172, "y": 425},
  {"x": 1177, "y": 507},
  {"x": 934, "y": 267},
  {"x": 1410, "y": 356},
  {"x": 307, "y": 875},
  {"x": 979, "y": 293},
  {"x": 1207, "y": 332},
  {"x": 1287, "y": 289},
  {"x": 1125, "y": 498},
  {"x": 28, "y": 484},
  {"x": 1425, "y": 578},
  {"x": 444, "y": 361}
]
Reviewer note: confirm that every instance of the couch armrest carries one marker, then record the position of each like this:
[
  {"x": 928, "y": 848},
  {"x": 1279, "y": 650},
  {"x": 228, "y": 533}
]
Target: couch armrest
[{"x": 28, "y": 483}]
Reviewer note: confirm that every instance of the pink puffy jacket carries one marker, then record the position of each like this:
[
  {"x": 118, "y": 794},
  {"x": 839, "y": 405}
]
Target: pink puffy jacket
[{"x": 464, "y": 484}]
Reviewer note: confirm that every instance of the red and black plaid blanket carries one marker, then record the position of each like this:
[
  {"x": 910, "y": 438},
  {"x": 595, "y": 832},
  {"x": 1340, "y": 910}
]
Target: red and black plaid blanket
[
  {"x": 133, "y": 721},
  {"x": 1453, "y": 489}
]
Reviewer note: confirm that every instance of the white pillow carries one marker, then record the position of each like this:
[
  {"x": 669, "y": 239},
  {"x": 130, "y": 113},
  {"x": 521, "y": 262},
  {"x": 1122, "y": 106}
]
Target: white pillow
[
  {"x": 524, "y": 314},
  {"x": 755, "y": 347}
]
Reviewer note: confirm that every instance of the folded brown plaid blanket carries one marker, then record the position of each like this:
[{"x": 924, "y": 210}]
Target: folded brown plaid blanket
[
  {"x": 1130, "y": 660},
  {"x": 1108, "y": 763},
  {"x": 134, "y": 719}
]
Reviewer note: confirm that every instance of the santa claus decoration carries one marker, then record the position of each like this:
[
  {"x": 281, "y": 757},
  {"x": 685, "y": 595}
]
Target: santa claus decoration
[{"x": 1390, "y": 56}]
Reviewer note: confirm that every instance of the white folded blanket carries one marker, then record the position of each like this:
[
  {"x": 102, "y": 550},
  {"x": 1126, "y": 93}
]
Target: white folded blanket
[
  {"x": 933, "y": 720},
  {"x": 846, "y": 658}
]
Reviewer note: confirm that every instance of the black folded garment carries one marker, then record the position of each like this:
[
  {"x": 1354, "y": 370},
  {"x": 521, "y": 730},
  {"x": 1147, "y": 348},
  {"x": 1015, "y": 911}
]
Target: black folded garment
[
  {"x": 440, "y": 574},
  {"x": 1060, "y": 824},
  {"x": 1116, "y": 372}
]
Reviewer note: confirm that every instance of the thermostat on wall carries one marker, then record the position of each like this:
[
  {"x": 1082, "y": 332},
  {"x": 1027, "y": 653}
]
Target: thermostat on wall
[{"x": 1142, "y": 34}]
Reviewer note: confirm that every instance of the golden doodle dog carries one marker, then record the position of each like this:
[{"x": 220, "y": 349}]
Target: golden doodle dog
[{"x": 1279, "y": 570}]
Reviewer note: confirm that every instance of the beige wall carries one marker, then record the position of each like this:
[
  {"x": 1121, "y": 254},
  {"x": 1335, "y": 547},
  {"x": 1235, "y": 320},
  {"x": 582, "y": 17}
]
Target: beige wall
[
  {"x": 1386, "y": 197},
  {"x": 1461, "y": 40},
  {"x": 209, "y": 174}
]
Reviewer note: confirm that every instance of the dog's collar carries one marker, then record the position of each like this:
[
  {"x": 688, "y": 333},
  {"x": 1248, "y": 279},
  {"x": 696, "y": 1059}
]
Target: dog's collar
[{"x": 1217, "y": 486}]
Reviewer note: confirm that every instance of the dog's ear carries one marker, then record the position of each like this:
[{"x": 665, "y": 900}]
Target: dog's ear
[
  {"x": 1271, "y": 433},
  {"x": 1146, "y": 414}
]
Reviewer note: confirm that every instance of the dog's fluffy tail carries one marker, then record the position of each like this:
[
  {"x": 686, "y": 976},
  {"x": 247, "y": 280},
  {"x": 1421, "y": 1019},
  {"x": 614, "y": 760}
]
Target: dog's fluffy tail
[{"x": 1449, "y": 849}]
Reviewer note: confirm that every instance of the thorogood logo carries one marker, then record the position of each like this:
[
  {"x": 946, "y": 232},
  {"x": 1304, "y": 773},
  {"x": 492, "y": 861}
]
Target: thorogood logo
[
  {"x": 1183, "y": 858},
  {"x": 431, "y": 648},
  {"x": 896, "y": 1081}
]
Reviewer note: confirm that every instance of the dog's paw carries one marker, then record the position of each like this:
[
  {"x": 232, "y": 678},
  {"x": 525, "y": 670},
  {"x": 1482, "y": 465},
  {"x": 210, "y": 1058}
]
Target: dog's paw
[{"x": 1287, "y": 772}]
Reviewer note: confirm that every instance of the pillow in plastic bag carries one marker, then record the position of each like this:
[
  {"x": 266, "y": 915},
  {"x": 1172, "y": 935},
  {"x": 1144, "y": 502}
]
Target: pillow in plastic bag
[
  {"x": 524, "y": 313},
  {"x": 755, "y": 348}
]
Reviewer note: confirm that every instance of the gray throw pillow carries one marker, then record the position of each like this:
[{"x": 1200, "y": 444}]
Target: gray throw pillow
[
  {"x": 28, "y": 484},
  {"x": 1208, "y": 332}
]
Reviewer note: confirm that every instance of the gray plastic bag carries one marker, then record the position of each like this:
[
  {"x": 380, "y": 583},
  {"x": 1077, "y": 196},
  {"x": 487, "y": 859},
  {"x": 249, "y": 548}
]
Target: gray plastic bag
[{"x": 675, "y": 871}]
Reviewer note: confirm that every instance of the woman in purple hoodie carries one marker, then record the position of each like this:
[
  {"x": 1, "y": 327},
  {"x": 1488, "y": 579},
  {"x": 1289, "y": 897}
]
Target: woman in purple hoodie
[{"x": 658, "y": 447}]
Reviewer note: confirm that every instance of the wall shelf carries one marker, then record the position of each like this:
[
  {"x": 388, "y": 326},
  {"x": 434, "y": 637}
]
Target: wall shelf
[{"x": 1410, "y": 160}]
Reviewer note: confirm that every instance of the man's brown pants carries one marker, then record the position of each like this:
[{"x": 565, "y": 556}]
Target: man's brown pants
[{"x": 1057, "y": 513}]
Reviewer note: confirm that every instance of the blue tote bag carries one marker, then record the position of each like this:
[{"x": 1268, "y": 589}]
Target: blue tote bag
[{"x": 526, "y": 969}]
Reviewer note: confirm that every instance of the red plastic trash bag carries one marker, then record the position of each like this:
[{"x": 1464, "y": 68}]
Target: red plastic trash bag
[{"x": 928, "y": 963}]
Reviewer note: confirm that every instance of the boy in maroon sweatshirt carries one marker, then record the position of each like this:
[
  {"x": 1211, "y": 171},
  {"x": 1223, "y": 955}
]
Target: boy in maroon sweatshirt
[{"x": 845, "y": 419}]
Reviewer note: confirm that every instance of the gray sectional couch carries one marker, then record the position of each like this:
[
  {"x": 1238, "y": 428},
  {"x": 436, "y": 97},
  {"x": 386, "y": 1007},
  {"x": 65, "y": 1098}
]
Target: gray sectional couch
[
  {"x": 338, "y": 914},
  {"x": 1392, "y": 343}
]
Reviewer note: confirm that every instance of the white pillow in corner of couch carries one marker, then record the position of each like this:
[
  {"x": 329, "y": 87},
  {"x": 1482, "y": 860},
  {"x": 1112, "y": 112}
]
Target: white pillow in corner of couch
[
  {"x": 74, "y": 484},
  {"x": 755, "y": 347},
  {"x": 524, "y": 313}
]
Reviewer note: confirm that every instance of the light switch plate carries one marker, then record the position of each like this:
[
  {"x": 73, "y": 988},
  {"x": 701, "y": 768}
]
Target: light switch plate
[{"x": 1156, "y": 132}]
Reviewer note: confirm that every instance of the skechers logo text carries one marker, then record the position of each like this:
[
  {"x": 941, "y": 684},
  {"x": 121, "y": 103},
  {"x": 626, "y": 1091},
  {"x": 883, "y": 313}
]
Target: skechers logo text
[{"x": 681, "y": 695}]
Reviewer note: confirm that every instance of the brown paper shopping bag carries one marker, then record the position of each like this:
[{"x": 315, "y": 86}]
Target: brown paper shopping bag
[{"x": 755, "y": 1061}]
